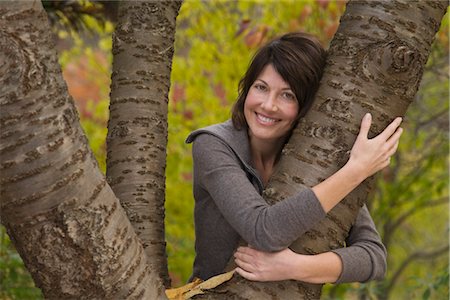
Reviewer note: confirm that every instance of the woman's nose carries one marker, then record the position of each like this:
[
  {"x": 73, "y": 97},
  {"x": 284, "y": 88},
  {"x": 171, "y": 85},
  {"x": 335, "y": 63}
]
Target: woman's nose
[{"x": 269, "y": 103}]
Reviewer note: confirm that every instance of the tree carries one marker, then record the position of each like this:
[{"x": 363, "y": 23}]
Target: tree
[
  {"x": 61, "y": 214},
  {"x": 137, "y": 128},
  {"x": 347, "y": 110}
]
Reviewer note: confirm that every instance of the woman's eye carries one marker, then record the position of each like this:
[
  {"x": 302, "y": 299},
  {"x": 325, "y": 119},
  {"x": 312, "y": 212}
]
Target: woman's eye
[
  {"x": 289, "y": 96},
  {"x": 260, "y": 87}
]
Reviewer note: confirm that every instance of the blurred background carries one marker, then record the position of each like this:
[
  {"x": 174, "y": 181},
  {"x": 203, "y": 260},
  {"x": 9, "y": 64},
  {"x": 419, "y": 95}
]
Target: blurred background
[{"x": 214, "y": 43}]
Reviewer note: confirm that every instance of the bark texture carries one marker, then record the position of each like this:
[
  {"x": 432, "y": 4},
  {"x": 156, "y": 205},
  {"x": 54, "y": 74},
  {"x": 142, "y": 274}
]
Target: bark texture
[
  {"x": 375, "y": 64},
  {"x": 137, "y": 128},
  {"x": 62, "y": 216}
]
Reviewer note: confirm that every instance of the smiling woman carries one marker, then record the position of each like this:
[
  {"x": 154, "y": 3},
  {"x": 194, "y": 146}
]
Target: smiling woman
[
  {"x": 234, "y": 160},
  {"x": 270, "y": 110}
]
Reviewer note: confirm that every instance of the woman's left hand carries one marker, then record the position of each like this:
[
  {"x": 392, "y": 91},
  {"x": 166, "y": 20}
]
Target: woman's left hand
[{"x": 264, "y": 266}]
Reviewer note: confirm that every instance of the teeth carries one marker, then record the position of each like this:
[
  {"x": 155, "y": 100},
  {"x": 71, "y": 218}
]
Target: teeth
[{"x": 266, "y": 119}]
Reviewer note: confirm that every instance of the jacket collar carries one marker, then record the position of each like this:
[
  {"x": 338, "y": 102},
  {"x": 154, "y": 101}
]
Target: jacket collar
[{"x": 237, "y": 140}]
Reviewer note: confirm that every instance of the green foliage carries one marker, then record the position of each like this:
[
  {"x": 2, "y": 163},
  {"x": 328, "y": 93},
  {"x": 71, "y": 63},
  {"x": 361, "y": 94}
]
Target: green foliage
[
  {"x": 86, "y": 68},
  {"x": 74, "y": 15},
  {"x": 95, "y": 129},
  {"x": 15, "y": 281},
  {"x": 436, "y": 285}
]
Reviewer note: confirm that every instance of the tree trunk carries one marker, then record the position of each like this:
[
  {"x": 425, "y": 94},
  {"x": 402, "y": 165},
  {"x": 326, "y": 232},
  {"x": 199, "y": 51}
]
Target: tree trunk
[
  {"x": 62, "y": 216},
  {"x": 137, "y": 135},
  {"x": 375, "y": 64}
]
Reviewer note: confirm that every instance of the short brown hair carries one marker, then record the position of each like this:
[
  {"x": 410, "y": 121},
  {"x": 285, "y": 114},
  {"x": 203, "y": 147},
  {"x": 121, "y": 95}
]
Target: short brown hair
[{"x": 298, "y": 57}]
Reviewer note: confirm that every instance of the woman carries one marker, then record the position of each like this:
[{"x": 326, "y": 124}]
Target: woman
[{"x": 234, "y": 160}]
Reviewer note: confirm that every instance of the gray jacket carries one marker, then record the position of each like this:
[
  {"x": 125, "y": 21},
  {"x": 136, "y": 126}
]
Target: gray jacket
[{"x": 229, "y": 205}]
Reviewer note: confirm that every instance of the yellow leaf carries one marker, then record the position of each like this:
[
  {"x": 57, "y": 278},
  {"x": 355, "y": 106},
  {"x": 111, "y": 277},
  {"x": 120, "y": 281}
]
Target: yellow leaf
[
  {"x": 177, "y": 293},
  {"x": 197, "y": 287},
  {"x": 209, "y": 284}
]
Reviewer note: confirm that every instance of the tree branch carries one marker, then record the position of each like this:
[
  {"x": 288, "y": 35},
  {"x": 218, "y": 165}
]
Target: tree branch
[
  {"x": 390, "y": 227},
  {"x": 415, "y": 256}
]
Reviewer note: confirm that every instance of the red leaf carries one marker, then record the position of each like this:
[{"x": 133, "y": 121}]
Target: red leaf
[
  {"x": 242, "y": 27},
  {"x": 256, "y": 36},
  {"x": 323, "y": 3}
]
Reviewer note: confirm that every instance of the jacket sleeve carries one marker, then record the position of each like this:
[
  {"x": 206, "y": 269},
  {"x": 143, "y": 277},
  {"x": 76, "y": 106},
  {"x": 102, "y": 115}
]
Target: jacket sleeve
[
  {"x": 364, "y": 258},
  {"x": 219, "y": 172}
]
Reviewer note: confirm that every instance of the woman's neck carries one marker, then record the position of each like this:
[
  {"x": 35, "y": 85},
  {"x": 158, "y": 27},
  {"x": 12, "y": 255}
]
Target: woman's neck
[{"x": 265, "y": 155}]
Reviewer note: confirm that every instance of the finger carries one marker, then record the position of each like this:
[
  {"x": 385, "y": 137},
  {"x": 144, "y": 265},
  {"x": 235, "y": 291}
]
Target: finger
[
  {"x": 242, "y": 256},
  {"x": 395, "y": 137},
  {"x": 244, "y": 265},
  {"x": 390, "y": 129},
  {"x": 245, "y": 274},
  {"x": 393, "y": 149},
  {"x": 366, "y": 122},
  {"x": 386, "y": 163},
  {"x": 392, "y": 142},
  {"x": 247, "y": 250}
]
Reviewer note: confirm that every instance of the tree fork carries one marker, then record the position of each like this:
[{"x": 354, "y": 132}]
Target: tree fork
[{"x": 61, "y": 215}]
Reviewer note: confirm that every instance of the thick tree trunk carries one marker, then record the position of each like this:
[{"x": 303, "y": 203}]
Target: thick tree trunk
[
  {"x": 137, "y": 135},
  {"x": 62, "y": 216},
  {"x": 375, "y": 64}
]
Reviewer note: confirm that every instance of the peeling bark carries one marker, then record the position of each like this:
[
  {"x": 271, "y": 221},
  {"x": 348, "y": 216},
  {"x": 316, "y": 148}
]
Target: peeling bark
[
  {"x": 137, "y": 128},
  {"x": 61, "y": 215}
]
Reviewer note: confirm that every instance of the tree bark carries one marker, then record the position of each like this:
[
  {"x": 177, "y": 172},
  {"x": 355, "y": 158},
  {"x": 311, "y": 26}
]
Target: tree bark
[
  {"x": 375, "y": 64},
  {"x": 61, "y": 215},
  {"x": 137, "y": 135}
]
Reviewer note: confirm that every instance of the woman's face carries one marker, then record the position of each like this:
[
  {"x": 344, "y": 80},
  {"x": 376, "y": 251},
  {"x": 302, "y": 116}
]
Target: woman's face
[{"x": 270, "y": 107}]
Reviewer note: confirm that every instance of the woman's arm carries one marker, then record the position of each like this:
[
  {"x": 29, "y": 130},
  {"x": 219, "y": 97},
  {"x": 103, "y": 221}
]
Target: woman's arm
[
  {"x": 364, "y": 259},
  {"x": 285, "y": 265},
  {"x": 222, "y": 190},
  {"x": 219, "y": 176}
]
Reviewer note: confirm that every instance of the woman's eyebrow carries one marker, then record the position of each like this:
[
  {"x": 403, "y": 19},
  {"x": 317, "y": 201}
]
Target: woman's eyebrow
[
  {"x": 284, "y": 89},
  {"x": 261, "y": 81}
]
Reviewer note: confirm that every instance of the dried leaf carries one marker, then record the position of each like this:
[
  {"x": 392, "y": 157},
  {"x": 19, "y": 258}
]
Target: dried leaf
[
  {"x": 177, "y": 293},
  {"x": 209, "y": 284}
]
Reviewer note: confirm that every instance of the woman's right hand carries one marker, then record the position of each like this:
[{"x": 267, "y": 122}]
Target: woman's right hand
[{"x": 369, "y": 156}]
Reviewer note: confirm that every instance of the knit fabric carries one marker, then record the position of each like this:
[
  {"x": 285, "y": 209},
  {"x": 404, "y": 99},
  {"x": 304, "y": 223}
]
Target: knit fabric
[{"x": 229, "y": 206}]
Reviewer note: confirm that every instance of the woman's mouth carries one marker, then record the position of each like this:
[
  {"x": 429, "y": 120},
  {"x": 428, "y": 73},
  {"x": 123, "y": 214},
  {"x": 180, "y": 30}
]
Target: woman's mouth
[{"x": 265, "y": 120}]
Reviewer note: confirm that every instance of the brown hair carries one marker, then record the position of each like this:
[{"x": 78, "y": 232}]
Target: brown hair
[{"x": 298, "y": 57}]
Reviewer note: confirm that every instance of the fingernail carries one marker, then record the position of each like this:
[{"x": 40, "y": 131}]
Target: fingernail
[{"x": 367, "y": 116}]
